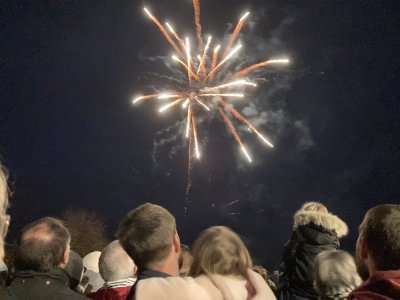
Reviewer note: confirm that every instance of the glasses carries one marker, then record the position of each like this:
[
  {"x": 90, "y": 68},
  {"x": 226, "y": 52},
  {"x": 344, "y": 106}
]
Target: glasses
[{"x": 4, "y": 224}]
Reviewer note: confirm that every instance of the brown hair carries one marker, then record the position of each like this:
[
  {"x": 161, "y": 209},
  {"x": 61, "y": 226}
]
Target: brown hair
[
  {"x": 380, "y": 229},
  {"x": 219, "y": 250},
  {"x": 146, "y": 234},
  {"x": 42, "y": 245}
]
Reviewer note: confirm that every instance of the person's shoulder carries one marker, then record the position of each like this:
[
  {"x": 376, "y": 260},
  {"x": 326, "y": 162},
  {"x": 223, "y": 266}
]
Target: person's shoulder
[{"x": 164, "y": 288}]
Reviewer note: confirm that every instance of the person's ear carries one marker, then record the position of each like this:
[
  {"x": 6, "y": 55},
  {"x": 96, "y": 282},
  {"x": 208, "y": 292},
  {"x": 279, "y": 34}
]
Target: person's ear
[
  {"x": 65, "y": 259},
  {"x": 364, "y": 249},
  {"x": 176, "y": 243}
]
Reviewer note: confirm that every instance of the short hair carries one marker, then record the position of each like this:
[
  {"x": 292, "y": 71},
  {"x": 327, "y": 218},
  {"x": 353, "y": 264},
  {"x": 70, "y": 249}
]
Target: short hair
[
  {"x": 115, "y": 263},
  {"x": 147, "y": 233},
  {"x": 314, "y": 206},
  {"x": 335, "y": 272},
  {"x": 42, "y": 245},
  {"x": 219, "y": 250},
  {"x": 380, "y": 229}
]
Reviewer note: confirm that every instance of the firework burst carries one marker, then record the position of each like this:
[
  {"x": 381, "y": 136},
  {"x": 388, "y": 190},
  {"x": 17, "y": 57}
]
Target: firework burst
[{"x": 209, "y": 86}]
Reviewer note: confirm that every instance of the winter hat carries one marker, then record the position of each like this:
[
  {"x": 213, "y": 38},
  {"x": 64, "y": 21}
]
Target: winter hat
[{"x": 91, "y": 261}]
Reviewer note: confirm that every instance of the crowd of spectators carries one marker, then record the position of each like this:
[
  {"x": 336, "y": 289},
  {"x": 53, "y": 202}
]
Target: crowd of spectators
[{"x": 148, "y": 261}]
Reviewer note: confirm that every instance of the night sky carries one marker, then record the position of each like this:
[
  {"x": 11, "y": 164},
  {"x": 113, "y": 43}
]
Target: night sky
[{"x": 72, "y": 139}]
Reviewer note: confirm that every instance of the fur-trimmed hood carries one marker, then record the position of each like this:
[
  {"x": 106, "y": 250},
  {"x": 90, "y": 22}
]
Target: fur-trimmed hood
[{"x": 326, "y": 220}]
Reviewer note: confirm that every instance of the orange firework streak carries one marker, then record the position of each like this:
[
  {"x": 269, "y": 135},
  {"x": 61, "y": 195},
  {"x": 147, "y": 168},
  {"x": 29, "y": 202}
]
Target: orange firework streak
[
  {"x": 250, "y": 69},
  {"x": 146, "y": 97},
  {"x": 165, "y": 33},
  {"x": 231, "y": 127},
  {"x": 213, "y": 62},
  {"x": 245, "y": 121},
  {"x": 192, "y": 74},
  {"x": 196, "y": 5},
  {"x": 234, "y": 35}
]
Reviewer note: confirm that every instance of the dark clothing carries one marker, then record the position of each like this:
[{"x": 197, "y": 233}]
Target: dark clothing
[
  {"x": 382, "y": 285},
  {"x": 145, "y": 274},
  {"x": 313, "y": 232},
  {"x": 37, "y": 285},
  {"x": 5, "y": 294},
  {"x": 298, "y": 257}
]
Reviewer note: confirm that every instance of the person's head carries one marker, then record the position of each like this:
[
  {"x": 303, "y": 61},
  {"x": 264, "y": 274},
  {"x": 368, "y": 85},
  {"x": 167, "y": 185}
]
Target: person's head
[
  {"x": 148, "y": 234},
  {"x": 4, "y": 218},
  {"x": 335, "y": 272},
  {"x": 74, "y": 269},
  {"x": 314, "y": 206},
  {"x": 115, "y": 263},
  {"x": 91, "y": 261},
  {"x": 185, "y": 260},
  {"x": 378, "y": 244},
  {"x": 219, "y": 250},
  {"x": 43, "y": 245}
]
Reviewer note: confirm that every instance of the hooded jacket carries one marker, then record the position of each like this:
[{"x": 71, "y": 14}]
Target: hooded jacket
[
  {"x": 38, "y": 285},
  {"x": 313, "y": 232},
  {"x": 205, "y": 287}
]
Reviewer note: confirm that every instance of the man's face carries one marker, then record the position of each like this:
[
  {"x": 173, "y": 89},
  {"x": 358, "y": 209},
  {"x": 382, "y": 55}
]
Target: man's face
[{"x": 362, "y": 268}]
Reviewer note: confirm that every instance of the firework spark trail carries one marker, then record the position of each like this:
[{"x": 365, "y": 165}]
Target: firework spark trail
[
  {"x": 203, "y": 57},
  {"x": 235, "y": 34},
  {"x": 188, "y": 59},
  {"x": 169, "y": 105},
  {"x": 258, "y": 66},
  {"x": 196, "y": 142},
  {"x": 214, "y": 59},
  {"x": 229, "y": 84},
  {"x": 234, "y": 132},
  {"x": 202, "y": 103},
  {"x": 164, "y": 32},
  {"x": 189, "y": 117},
  {"x": 212, "y": 72},
  {"x": 196, "y": 6},
  {"x": 189, "y": 170},
  {"x": 180, "y": 41},
  {"x": 194, "y": 75},
  {"x": 223, "y": 95},
  {"x": 245, "y": 121},
  {"x": 137, "y": 99}
]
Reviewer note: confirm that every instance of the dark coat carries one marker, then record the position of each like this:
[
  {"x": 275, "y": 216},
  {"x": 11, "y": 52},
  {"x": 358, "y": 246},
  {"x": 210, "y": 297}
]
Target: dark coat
[
  {"x": 313, "y": 233},
  {"x": 33, "y": 285}
]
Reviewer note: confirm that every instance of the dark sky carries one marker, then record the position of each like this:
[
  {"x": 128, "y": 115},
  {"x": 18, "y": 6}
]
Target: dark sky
[{"x": 71, "y": 137}]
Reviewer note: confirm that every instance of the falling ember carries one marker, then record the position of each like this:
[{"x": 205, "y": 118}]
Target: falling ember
[
  {"x": 208, "y": 87},
  {"x": 246, "y": 154}
]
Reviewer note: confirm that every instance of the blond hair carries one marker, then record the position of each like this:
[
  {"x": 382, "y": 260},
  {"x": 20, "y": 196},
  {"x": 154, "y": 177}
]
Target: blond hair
[
  {"x": 219, "y": 250},
  {"x": 314, "y": 206},
  {"x": 3, "y": 206},
  {"x": 147, "y": 234}
]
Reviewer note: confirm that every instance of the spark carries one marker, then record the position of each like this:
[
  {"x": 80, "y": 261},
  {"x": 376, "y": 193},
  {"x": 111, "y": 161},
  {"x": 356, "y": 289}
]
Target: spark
[
  {"x": 246, "y": 154},
  {"x": 137, "y": 99},
  {"x": 168, "y": 96},
  {"x": 188, "y": 58},
  {"x": 189, "y": 117},
  {"x": 224, "y": 60},
  {"x": 196, "y": 143},
  {"x": 169, "y": 105},
  {"x": 224, "y": 95},
  {"x": 202, "y": 103},
  {"x": 233, "y": 83},
  {"x": 258, "y": 66},
  {"x": 185, "y": 104},
  {"x": 201, "y": 63},
  {"x": 235, "y": 33}
]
